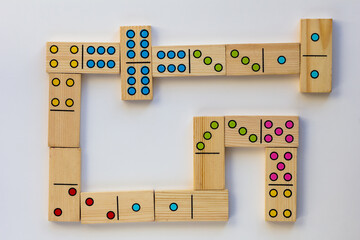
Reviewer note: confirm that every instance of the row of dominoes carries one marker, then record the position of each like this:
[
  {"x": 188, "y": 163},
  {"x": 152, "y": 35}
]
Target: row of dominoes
[
  {"x": 65, "y": 199},
  {"x": 209, "y": 199},
  {"x": 140, "y": 62}
]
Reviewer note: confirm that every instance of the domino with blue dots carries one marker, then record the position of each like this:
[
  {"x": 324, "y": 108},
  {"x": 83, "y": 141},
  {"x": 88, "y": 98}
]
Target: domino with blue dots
[
  {"x": 201, "y": 60},
  {"x": 112, "y": 207},
  {"x": 75, "y": 57},
  {"x": 191, "y": 205},
  {"x": 136, "y": 72},
  {"x": 258, "y": 59},
  {"x": 316, "y": 55}
]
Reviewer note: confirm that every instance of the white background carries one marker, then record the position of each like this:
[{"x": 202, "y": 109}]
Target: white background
[{"x": 148, "y": 145}]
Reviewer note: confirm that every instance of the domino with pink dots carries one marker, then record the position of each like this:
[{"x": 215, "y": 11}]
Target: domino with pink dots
[{"x": 280, "y": 184}]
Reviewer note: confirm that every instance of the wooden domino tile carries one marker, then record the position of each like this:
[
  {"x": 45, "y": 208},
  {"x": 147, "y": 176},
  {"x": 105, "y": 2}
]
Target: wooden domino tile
[
  {"x": 64, "y": 110},
  {"x": 111, "y": 207},
  {"x": 202, "y": 60},
  {"x": 316, "y": 55},
  {"x": 64, "y": 184},
  {"x": 78, "y": 57},
  {"x": 136, "y": 72},
  {"x": 209, "y": 153},
  {"x": 268, "y": 131},
  {"x": 257, "y": 59},
  {"x": 189, "y": 205},
  {"x": 280, "y": 184}
]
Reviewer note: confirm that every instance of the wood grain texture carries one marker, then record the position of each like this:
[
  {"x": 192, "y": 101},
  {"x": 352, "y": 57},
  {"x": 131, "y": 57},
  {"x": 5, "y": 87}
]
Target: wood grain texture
[
  {"x": 189, "y": 205},
  {"x": 64, "y": 110},
  {"x": 83, "y": 57},
  {"x": 316, "y": 55},
  {"x": 64, "y": 184},
  {"x": 259, "y": 59},
  {"x": 136, "y": 70},
  {"x": 200, "y": 60},
  {"x": 266, "y": 131},
  {"x": 112, "y": 207},
  {"x": 209, "y": 153},
  {"x": 280, "y": 184}
]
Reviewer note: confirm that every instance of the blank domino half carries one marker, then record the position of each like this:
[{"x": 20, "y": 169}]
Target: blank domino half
[
  {"x": 77, "y": 57},
  {"x": 64, "y": 110},
  {"x": 268, "y": 131},
  {"x": 202, "y": 60},
  {"x": 316, "y": 55},
  {"x": 111, "y": 207},
  {"x": 256, "y": 59},
  {"x": 64, "y": 184},
  {"x": 280, "y": 184},
  {"x": 189, "y": 205},
  {"x": 209, "y": 153},
  {"x": 136, "y": 73}
]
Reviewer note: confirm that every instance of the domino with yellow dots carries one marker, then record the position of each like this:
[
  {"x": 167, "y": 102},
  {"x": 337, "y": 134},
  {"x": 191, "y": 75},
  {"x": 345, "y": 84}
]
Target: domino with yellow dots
[
  {"x": 64, "y": 110},
  {"x": 280, "y": 184},
  {"x": 75, "y": 57}
]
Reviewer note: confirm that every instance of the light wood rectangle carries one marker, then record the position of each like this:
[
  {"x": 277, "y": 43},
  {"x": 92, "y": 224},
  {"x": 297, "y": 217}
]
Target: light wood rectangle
[
  {"x": 136, "y": 70},
  {"x": 280, "y": 184},
  {"x": 200, "y": 60},
  {"x": 316, "y": 55},
  {"x": 267, "y": 131},
  {"x": 258, "y": 59},
  {"x": 189, "y": 205},
  {"x": 209, "y": 153},
  {"x": 64, "y": 110},
  {"x": 83, "y": 57},
  {"x": 112, "y": 207},
  {"x": 64, "y": 184}
]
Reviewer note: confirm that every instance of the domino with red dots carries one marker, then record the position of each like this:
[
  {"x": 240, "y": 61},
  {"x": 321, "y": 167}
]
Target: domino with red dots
[
  {"x": 64, "y": 110},
  {"x": 280, "y": 184},
  {"x": 268, "y": 131},
  {"x": 258, "y": 59},
  {"x": 190, "y": 205},
  {"x": 201, "y": 60},
  {"x": 64, "y": 184},
  {"x": 209, "y": 153},
  {"x": 316, "y": 55},
  {"x": 136, "y": 72},
  {"x": 111, "y": 207},
  {"x": 80, "y": 57}
]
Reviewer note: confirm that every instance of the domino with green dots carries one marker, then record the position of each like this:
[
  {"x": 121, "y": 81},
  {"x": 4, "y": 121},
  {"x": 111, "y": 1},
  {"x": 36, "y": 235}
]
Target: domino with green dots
[
  {"x": 209, "y": 153},
  {"x": 255, "y": 131},
  {"x": 81, "y": 57},
  {"x": 201, "y": 60},
  {"x": 258, "y": 59}
]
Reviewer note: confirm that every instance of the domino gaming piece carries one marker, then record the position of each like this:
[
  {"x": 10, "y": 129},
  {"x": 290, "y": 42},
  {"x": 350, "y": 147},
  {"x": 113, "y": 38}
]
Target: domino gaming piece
[
  {"x": 189, "y": 205},
  {"x": 64, "y": 184},
  {"x": 202, "y": 60},
  {"x": 79, "y": 57},
  {"x": 280, "y": 184},
  {"x": 270, "y": 131},
  {"x": 257, "y": 59},
  {"x": 64, "y": 110},
  {"x": 316, "y": 55},
  {"x": 136, "y": 73},
  {"x": 209, "y": 153},
  {"x": 111, "y": 207}
]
